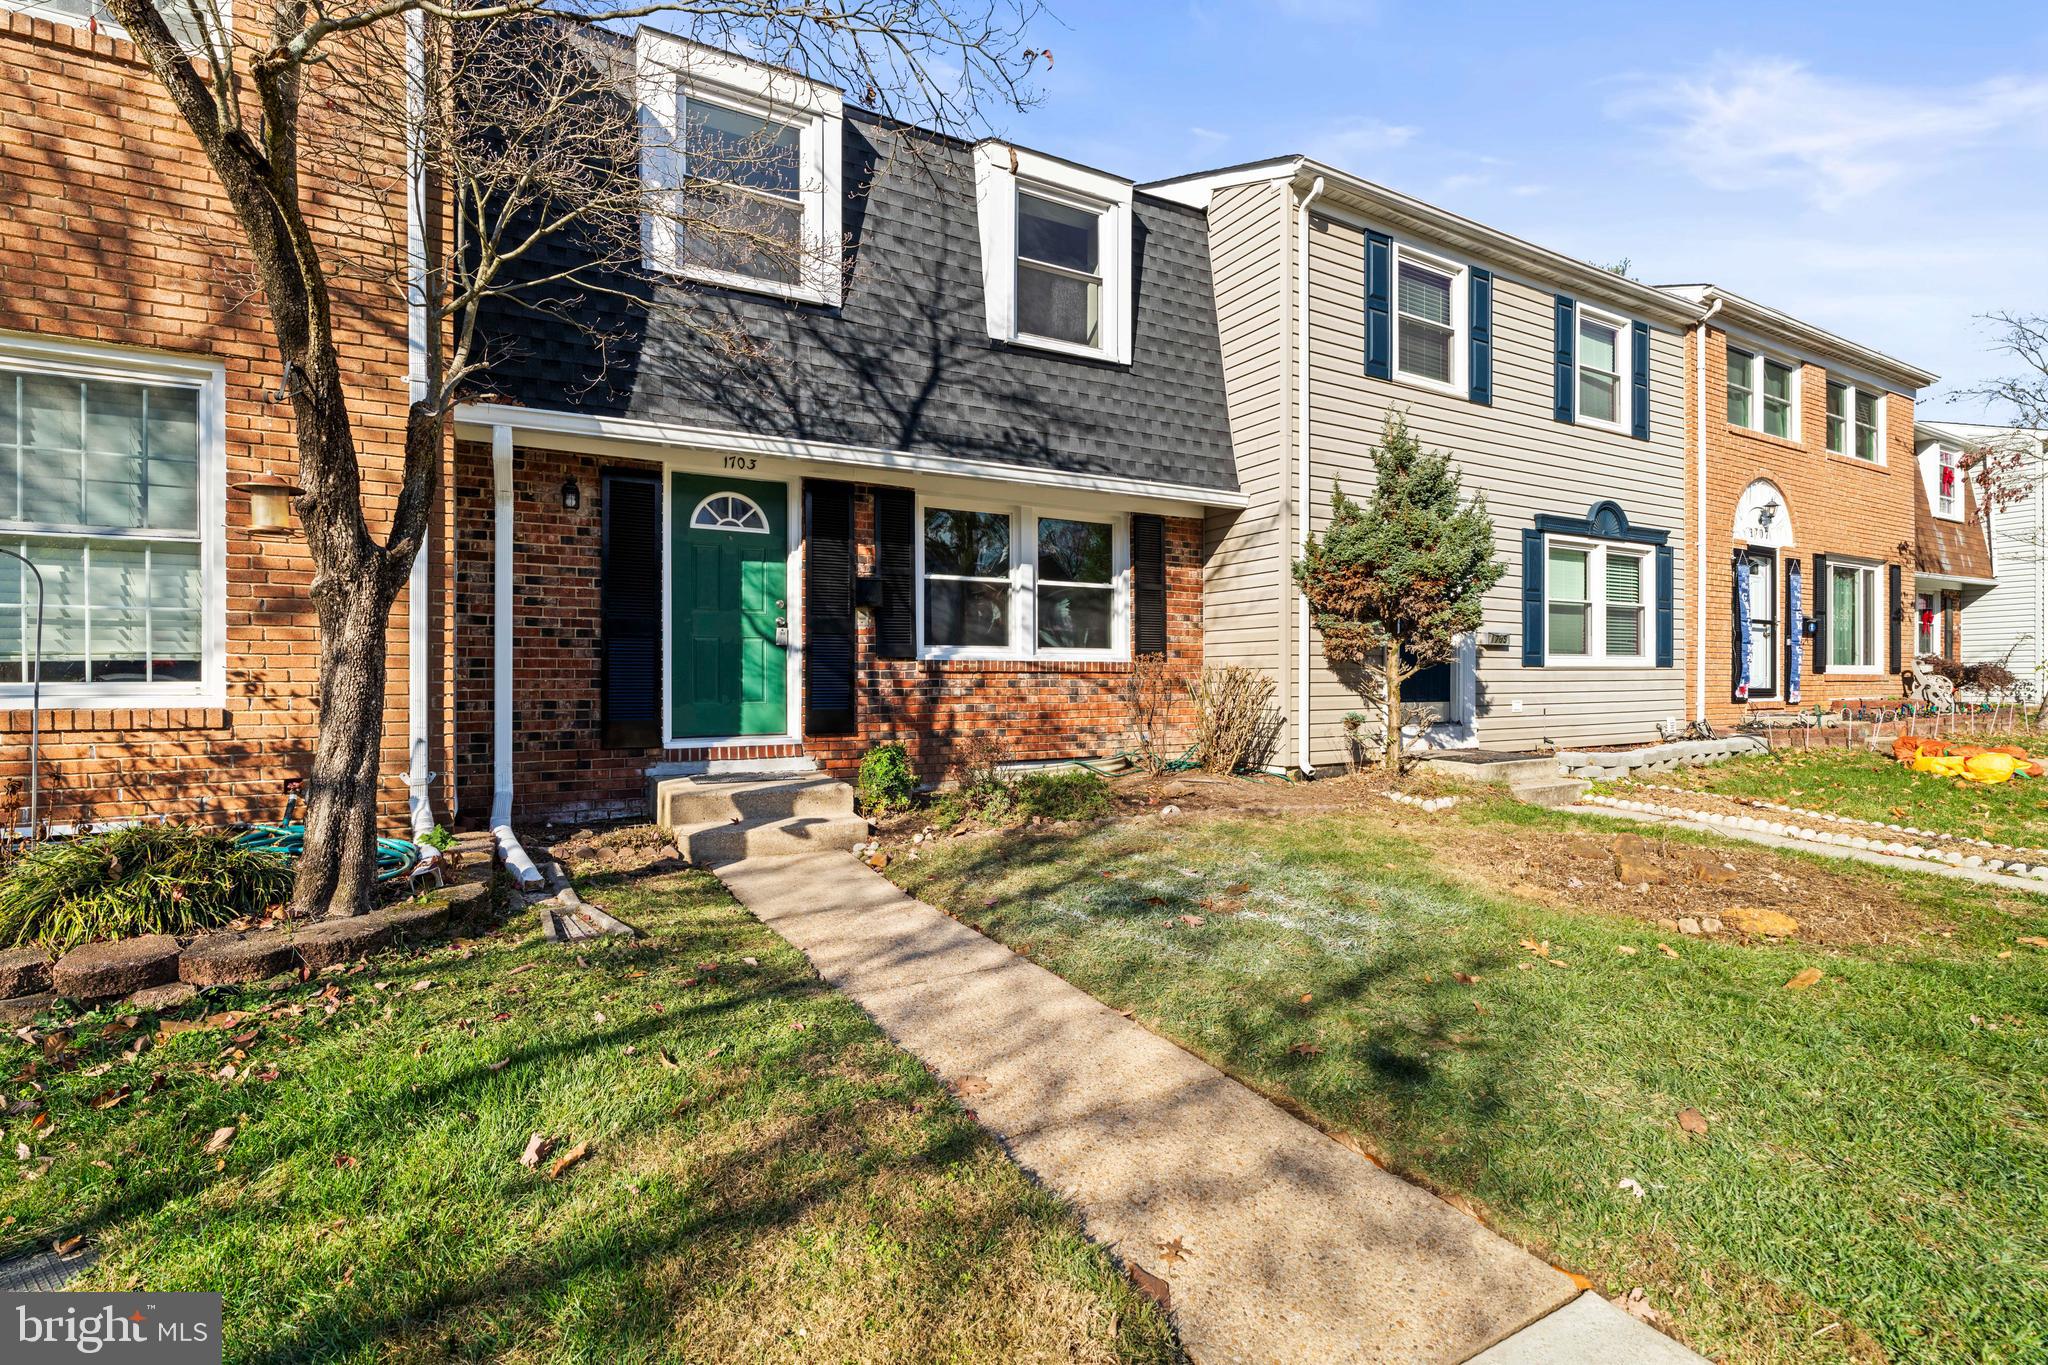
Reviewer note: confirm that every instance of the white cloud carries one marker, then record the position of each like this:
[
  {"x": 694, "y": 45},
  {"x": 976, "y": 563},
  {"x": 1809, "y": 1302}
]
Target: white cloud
[
  {"x": 1768, "y": 122},
  {"x": 1351, "y": 142},
  {"x": 1329, "y": 11},
  {"x": 1208, "y": 136}
]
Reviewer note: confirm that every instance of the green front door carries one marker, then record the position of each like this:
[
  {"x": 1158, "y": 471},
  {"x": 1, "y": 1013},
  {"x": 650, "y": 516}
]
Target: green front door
[{"x": 729, "y": 557}]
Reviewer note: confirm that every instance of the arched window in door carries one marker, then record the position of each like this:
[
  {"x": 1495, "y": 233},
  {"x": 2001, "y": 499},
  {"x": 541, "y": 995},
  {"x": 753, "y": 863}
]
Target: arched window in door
[{"x": 729, "y": 512}]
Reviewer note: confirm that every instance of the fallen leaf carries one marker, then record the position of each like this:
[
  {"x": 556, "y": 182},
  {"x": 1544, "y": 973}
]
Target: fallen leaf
[
  {"x": 344, "y": 1162},
  {"x": 1305, "y": 1050},
  {"x": 598, "y": 1016},
  {"x": 1804, "y": 979},
  {"x": 1633, "y": 1186},
  {"x": 971, "y": 1086},
  {"x": 1465, "y": 978},
  {"x": 1637, "y": 1305},
  {"x": 668, "y": 1063},
  {"x": 1192, "y": 921},
  {"x": 568, "y": 1159},
  {"x": 1667, "y": 950},
  {"x": 68, "y": 1245},
  {"x": 107, "y": 1099},
  {"x": 498, "y": 1065},
  {"x": 1306, "y": 998},
  {"x": 537, "y": 1148},
  {"x": 1692, "y": 1120},
  {"x": 1556, "y": 961},
  {"x": 1151, "y": 1286},
  {"x": 1626, "y": 950},
  {"x": 1173, "y": 1252},
  {"x": 2032, "y": 940},
  {"x": 219, "y": 1141},
  {"x": 1237, "y": 889}
]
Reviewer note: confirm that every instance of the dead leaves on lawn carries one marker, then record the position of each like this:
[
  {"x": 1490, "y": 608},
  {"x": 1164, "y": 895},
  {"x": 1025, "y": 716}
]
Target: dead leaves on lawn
[
  {"x": 1692, "y": 1121},
  {"x": 569, "y": 1158},
  {"x": 1804, "y": 979}
]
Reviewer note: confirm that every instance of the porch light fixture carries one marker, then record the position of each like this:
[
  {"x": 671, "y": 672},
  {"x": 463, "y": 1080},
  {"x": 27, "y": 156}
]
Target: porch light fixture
[
  {"x": 1766, "y": 514},
  {"x": 270, "y": 503},
  {"x": 572, "y": 496}
]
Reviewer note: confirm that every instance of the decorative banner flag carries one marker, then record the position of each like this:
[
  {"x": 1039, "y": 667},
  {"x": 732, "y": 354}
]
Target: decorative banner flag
[
  {"x": 1795, "y": 631},
  {"x": 1743, "y": 662}
]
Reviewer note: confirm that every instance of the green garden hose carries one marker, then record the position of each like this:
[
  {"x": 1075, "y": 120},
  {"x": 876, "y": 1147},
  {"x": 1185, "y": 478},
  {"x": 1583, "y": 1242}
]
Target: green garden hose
[{"x": 395, "y": 857}]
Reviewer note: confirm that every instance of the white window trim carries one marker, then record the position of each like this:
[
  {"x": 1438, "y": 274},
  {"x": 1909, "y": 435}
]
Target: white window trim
[
  {"x": 1854, "y": 391},
  {"x": 1624, "y": 359},
  {"x": 1871, "y": 600},
  {"x": 1937, "y": 603},
  {"x": 1596, "y": 611},
  {"x": 1946, "y": 457},
  {"x": 1795, "y": 396},
  {"x": 1461, "y": 336},
  {"x": 81, "y": 360},
  {"x": 1023, "y": 644},
  {"x": 671, "y": 71},
  {"x": 1000, "y": 171}
]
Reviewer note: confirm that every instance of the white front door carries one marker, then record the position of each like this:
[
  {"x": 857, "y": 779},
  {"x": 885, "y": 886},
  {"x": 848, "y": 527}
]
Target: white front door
[{"x": 1763, "y": 623}]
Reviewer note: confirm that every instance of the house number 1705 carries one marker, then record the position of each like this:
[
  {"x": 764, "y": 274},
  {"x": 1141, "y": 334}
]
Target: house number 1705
[{"x": 740, "y": 462}]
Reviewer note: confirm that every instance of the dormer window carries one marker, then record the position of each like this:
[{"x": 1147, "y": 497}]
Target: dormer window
[
  {"x": 741, "y": 162},
  {"x": 1055, "y": 253}
]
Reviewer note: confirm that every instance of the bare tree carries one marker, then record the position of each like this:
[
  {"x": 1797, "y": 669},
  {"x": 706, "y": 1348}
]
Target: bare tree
[
  {"x": 2011, "y": 465},
  {"x": 518, "y": 121}
]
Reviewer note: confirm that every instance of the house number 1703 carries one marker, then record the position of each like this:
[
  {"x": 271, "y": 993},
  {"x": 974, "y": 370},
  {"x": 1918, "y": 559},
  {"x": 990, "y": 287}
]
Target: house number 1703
[{"x": 740, "y": 462}]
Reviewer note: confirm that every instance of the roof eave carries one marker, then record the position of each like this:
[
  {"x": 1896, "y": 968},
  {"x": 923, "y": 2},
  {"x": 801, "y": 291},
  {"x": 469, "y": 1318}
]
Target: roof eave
[{"x": 1763, "y": 318}]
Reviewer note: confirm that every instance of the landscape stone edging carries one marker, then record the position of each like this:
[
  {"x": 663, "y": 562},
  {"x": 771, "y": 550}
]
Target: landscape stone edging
[
  {"x": 1685, "y": 753},
  {"x": 24, "y": 971},
  {"x": 2035, "y": 854},
  {"x": 1756, "y": 824}
]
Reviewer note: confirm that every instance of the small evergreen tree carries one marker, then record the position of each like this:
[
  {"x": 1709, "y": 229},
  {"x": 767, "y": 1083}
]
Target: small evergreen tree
[{"x": 1402, "y": 576}]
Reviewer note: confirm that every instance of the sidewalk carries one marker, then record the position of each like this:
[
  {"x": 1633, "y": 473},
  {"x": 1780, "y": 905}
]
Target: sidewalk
[{"x": 1276, "y": 1243}]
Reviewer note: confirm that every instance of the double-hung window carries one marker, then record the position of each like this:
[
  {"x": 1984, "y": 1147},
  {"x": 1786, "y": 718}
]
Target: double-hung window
[
  {"x": 1854, "y": 617},
  {"x": 1854, "y": 418},
  {"x": 1603, "y": 361},
  {"x": 1595, "y": 603},
  {"x": 1023, "y": 583},
  {"x": 1056, "y": 253},
  {"x": 1948, "y": 483},
  {"x": 1763, "y": 394},
  {"x": 106, "y": 479},
  {"x": 1059, "y": 270},
  {"x": 741, "y": 165},
  {"x": 1429, "y": 319}
]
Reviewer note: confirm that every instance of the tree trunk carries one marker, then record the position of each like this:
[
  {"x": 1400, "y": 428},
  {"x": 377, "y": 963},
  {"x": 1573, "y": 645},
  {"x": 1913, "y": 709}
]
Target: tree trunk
[
  {"x": 338, "y": 869},
  {"x": 1395, "y": 676}
]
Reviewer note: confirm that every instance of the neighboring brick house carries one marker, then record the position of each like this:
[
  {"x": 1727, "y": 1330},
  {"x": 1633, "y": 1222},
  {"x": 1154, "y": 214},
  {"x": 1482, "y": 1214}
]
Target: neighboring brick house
[
  {"x": 1803, "y": 511},
  {"x": 136, "y": 372},
  {"x": 959, "y": 493}
]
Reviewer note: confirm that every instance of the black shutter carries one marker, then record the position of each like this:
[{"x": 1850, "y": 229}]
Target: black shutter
[
  {"x": 629, "y": 611},
  {"x": 1482, "y": 336},
  {"x": 1665, "y": 585},
  {"x": 1822, "y": 591},
  {"x": 1639, "y": 381},
  {"x": 1379, "y": 318},
  {"x": 1532, "y": 598},
  {"x": 829, "y": 632},
  {"x": 1794, "y": 609},
  {"x": 1565, "y": 399},
  {"x": 896, "y": 568},
  {"x": 1898, "y": 617},
  {"x": 1148, "y": 574}
]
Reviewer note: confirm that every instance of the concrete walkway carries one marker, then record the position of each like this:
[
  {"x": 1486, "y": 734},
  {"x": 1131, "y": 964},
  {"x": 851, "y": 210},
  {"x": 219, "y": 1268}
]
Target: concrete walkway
[{"x": 1290, "y": 1246}]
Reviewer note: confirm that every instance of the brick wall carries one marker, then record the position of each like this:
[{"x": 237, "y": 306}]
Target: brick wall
[
  {"x": 112, "y": 231},
  {"x": 1838, "y": 505},
  {"x": 563, "y": 771}
]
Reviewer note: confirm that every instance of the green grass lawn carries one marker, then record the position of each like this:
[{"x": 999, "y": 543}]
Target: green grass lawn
[
  {"x": 769, "y": 1179},
  {"x": 1873, "y": 1182},
  {"x": 1866, "y": 785}
]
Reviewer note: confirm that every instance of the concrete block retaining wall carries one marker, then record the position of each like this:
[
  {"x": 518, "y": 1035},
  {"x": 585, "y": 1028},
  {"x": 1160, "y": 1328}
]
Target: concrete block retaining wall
[{"x": 1657, "y": 758}]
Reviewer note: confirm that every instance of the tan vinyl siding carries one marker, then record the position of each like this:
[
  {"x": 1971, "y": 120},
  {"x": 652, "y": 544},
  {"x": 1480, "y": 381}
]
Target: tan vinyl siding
[
  {"x": 1524, "y": 462},
  {"x": 1243, "y": 594}
]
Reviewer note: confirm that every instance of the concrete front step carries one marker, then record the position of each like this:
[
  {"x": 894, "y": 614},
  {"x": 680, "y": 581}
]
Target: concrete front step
[
  {"x": 1556, "y": 791},
  {"x": 1510, "y": 770},
  {"x": 687, "y": 801},
  {"x": 713, "y": 843}
]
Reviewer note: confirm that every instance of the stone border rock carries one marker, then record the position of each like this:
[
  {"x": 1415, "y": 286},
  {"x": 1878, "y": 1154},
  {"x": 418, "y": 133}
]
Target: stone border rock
[
  {"x": 149, "y": 970},
  {"x": 1427, "y": 803},
  {"x": 1659, "y": 758},
  {"x": 2031, "y": 855},
  {"x": 1756, "y": 824}
]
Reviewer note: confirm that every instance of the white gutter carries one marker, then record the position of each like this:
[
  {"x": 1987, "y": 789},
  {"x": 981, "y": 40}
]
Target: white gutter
[
  {"x": 1698, "y": 641},
  {"x": 516, "y": 860},
  {"x": 1301, "y": 382}
]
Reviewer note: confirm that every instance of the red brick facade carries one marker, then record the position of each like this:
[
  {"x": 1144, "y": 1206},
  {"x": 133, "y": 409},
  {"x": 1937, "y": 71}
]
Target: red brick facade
[
  {"x": 113, "y": 232},
  {"x": 561, "y": 767},
  {"x": 1838, "y": 506}
]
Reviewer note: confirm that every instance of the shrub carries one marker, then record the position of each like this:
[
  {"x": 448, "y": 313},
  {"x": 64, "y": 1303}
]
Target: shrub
[
  {"x": 1150, "y": 695},
  {"x": 139, "y": 879},
  {"x": 887, "y": 781},
  {"x": 1068, "y": 794},
  {"x": 438, "y": 837},
  {"x": 1235, "y": 725}
]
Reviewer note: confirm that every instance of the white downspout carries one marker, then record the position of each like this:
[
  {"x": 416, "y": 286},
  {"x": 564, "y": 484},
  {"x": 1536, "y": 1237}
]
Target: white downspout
[
  {"x": 516, "y": 860},
  {"x": 1698, "y": 641},
  {"x": 418, "y": 779},
  {"x": 1301, "y": 382}
]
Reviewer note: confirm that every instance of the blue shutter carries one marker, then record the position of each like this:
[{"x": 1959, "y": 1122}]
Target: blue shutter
[
  {"x": 1664, "y": 594},
  {"x": 1639, "y": 381},
  {"x": 1567, "y": 358},
  {"x": 1532, "y": 598},
  {"x": 1379, "y": 289},
  {"x": 1481, "y": 318}
]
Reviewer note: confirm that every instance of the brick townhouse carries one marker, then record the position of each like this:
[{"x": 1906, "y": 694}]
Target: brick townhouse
[
  {"x": 1805, "y": 483},
  {"x": 179, "y": 654}
]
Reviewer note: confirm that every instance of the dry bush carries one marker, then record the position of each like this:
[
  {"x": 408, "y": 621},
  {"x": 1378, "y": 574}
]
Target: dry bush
[
  {"x": 1235, "y": 723},
  {"x": 1154, "y": 686}
]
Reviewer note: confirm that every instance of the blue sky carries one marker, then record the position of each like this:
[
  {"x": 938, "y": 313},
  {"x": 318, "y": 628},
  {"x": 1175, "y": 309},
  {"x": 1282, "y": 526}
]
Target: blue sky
[{"x": 1879, "y": 169}]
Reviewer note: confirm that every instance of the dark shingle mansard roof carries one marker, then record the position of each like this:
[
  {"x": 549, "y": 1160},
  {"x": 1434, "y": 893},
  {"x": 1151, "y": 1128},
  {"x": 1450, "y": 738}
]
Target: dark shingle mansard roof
[{"x": 906, "y": 363}]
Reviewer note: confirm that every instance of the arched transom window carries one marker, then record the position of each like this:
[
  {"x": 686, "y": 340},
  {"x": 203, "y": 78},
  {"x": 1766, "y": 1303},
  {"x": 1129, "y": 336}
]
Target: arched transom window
[{"x": 729, "y": 512}]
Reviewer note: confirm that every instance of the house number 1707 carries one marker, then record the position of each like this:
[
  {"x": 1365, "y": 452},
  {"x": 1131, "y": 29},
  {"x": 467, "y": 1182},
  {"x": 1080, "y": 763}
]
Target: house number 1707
[{"x": 740, "y": 462}]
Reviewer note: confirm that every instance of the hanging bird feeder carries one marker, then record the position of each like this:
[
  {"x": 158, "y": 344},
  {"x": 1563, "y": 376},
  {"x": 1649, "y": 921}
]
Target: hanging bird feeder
[{"x": 270, "y": 503}]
